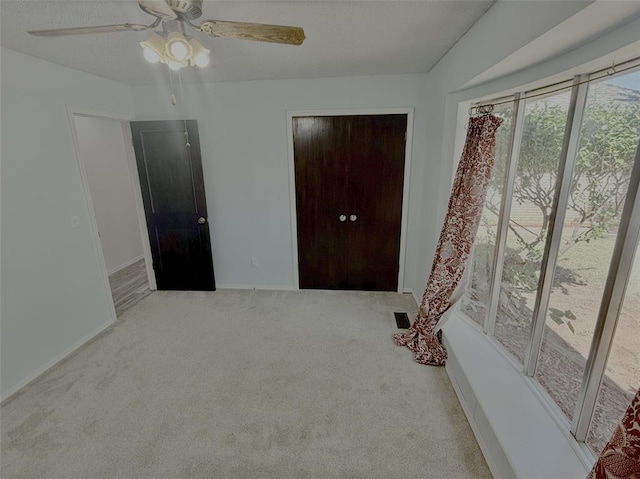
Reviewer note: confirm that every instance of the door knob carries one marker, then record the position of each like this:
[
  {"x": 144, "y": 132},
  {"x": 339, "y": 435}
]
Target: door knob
[
  {"x": 342, "y": 217},
  {"x": 202, "y": 220},
  {"x": 353, "y": 217}
]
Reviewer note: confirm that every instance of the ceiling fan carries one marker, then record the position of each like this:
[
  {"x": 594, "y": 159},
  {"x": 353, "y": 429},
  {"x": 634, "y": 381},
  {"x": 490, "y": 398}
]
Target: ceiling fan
[{"x": 172, "y": 46}]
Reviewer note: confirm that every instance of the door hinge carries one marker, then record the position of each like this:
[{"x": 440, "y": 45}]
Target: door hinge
[{"x": 405, "y": 136}]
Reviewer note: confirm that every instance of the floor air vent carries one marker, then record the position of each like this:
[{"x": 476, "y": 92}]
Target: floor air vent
[{"x": 402, "y": 320}]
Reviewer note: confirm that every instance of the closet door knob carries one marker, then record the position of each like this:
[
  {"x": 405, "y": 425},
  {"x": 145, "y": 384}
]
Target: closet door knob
[
  {"x": 202, "y": 220},
  {"x": 342, "y": 217},
  {"x": 353, "y": 217}
]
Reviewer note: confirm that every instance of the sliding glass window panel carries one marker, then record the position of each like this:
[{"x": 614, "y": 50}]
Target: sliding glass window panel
[
  {"x": 622, "y": 375},
  {"x": 608, "y": 137},
  {"x": 534, "y": 189},
  {"x": 475, "y": 302}
]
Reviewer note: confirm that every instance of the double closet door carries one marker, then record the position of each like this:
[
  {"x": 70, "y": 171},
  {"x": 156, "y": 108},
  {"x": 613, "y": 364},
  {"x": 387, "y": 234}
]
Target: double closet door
[{"x": 349, "y": 174}]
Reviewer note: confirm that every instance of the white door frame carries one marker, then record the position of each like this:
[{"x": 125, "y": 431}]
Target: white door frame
[
  {"x": 405, "y": 188},
  {"x": 124, "y": 120}
]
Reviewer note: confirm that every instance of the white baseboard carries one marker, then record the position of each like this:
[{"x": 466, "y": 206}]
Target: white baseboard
[
  {"x": 124, "y": 265},
  {"x": 256, "y": 286},
  {"x": 413, "y": 293},
  {"x": 289, "y": 287},
  {"x": 50, "y": 364}
]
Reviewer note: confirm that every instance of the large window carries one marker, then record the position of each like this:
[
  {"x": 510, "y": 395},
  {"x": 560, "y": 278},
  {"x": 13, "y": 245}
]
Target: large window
[
  {"x": 600, "y": 180},
  {"x": 537, "y": 167},
  {"x": 552, "y": 278},
  {"x": 477, "y": 295},
  {"x": 622, "y": 374}
]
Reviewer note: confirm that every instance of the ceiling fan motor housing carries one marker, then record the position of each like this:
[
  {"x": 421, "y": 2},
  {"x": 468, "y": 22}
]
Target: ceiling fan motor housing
[{"x": 186, "y": 9}]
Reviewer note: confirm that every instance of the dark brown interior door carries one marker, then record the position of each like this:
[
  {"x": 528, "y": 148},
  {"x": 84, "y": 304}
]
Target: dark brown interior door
[
  {"x": 321, "y": 184},
  {"x": 349, "y": 173},
  {"x": 376, "y": 178},
  {"x": 172, "y": 186}
]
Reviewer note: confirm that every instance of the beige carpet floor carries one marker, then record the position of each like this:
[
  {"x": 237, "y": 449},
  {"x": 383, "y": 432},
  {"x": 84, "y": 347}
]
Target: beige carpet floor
[{"x": 243, "y": 384}]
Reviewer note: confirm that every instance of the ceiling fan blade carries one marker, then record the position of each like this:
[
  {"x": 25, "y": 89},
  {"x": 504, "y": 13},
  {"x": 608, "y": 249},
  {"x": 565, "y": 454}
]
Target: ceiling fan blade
[
  {"x": 158, "y": 8},
  {"x": 125, "y": 27},
  {"x": 258, "y": 32}
]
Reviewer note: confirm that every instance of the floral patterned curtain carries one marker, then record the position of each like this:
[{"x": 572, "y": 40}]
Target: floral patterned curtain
[
  {"x": 620, "y": 458},
  {"x": 456, "y": 240}
]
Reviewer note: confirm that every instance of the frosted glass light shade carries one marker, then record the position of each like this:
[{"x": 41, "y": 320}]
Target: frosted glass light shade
[
  {"x": 177, "y": 47},
  {"x": 150, "y": 55},
  {"x": 199, "y": 54},
  {"x": 153, "y": 48},
  {"x": 175, "y": 66},
  {"x": 201, "y": 60},
  {"x": 177, "y": 51}
]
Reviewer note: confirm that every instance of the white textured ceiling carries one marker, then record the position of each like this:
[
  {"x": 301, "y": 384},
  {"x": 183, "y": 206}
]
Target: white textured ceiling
[
  {"x": 580, "y": 29},
  {"x": 344, "y": 38}
]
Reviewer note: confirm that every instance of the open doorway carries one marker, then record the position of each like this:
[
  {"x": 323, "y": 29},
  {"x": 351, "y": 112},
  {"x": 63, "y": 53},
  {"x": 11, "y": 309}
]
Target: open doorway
[{"x": 113, "y": 198}]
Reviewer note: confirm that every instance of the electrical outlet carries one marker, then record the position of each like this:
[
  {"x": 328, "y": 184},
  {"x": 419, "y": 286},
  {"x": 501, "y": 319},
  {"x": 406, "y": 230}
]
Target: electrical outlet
[
  {"x": 75, "y": 221},
  {"x": 254, "y": 262}
]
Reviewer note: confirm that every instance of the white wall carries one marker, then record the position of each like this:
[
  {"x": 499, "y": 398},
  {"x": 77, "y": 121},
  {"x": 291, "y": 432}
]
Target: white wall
[
  {"x": 507, "y": 28},
  {"x": 503, "y": 29},
  {"x": 53, "y": 296},
  {"x": 102, "y": 148},
  {"x": 244, "y": 142},
  {"x": 243, "y": 137},
  {"x": 470, "y": 369}
]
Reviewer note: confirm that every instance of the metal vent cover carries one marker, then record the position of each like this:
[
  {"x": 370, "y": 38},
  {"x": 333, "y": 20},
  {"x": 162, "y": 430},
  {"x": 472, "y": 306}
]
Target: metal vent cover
[{"x": 402, "y": 320}]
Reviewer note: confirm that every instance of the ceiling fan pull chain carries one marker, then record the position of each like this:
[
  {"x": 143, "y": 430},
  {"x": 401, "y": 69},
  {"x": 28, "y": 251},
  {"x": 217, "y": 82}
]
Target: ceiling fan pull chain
[
  {"x": 180, "y": 83},
  {"x": 186, "y": 135},
  {"x": 173, "y": 97},
  {"x": 186, "y": 131}
]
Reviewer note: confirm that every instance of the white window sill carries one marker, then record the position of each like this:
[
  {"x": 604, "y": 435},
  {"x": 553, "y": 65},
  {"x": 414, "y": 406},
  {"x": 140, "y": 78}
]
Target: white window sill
[{"x": 516, "y": 432}]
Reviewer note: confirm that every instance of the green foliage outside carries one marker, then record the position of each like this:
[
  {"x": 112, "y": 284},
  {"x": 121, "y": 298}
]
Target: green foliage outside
[{"x": 609, "y": 137}]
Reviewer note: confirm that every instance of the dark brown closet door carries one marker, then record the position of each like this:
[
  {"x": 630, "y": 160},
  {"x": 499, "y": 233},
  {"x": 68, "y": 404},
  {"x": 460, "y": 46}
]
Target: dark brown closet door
[
  {"x": 349, "y": 179},
  {"x": 376, "y": 177},
  {"x": 173, "y": 194},
  {"x": 321, "y": 157}
]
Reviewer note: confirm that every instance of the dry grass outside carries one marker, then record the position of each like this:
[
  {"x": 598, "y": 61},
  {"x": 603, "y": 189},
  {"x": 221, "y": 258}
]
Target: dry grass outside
[{"x": 564, "y": 352}]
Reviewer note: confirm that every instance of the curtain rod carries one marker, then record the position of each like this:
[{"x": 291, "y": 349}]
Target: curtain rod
[{"x": 609, "y": 71}]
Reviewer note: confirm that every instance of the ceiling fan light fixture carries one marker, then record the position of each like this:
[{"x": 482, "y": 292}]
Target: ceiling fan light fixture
[
  {"x": 178, "y": 48},
  {"x": 153, "y": 48},
  {"x": 150, "y": 55},
  {"x": 172, "y": 47},
  {"x": 201, "y": 60},
  {"x": 199, "y": 54},
  {"x": 175, "y": 66}
]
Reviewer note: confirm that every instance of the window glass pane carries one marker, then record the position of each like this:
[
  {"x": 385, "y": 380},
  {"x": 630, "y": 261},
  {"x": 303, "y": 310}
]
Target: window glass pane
[
  {"x": 622, "y": 376},
  {"x": 539, "y": 157},
  {"x": 475, "y": 302},
  {"x": 608, "y": 138}
]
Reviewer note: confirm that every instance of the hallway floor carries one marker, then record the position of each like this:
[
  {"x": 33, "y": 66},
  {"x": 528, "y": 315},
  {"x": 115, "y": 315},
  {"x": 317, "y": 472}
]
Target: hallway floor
[{"x": 128, "y": 286}]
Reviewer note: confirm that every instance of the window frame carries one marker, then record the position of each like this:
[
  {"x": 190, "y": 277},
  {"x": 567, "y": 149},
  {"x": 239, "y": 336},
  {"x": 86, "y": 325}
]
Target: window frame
[
  {"x": 621, "y": 261},
  {"x": 515, "y": 140}
]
